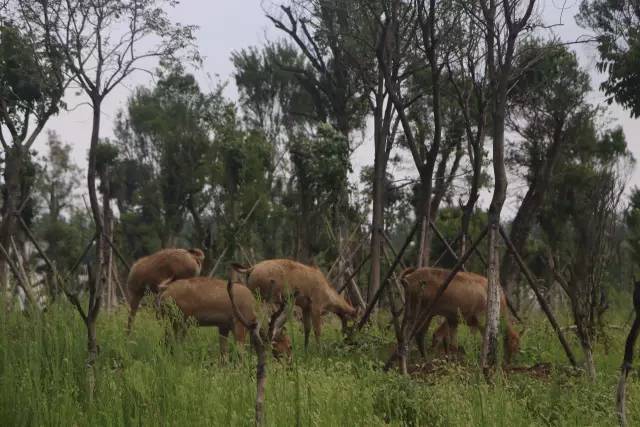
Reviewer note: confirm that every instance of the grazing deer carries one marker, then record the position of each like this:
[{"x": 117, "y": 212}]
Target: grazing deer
[
  {"x": 465, "y": 298},
  {"x": 207, "y": 301},
  {"x": 278, "y": 279}
]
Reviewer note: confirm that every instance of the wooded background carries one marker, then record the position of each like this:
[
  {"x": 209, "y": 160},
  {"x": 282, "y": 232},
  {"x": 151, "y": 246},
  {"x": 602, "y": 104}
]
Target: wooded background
[{"x": 467, "y": 95}]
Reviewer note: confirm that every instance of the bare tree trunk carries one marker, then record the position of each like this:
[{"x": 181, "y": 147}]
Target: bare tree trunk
[
  {"x": 95, "y": 294},
  {"x": 582, "y": 305},
  {"x": 107, "y": 217},
  {"x": 11, "y": 198},
  {"x": 339, "y": 238},
  {"x": 256, "y": 341},
  {"x": 499, "y": 59},
  {"x": 489, "y": 356},
  {"x": 589, "y": 363},
  {"x": 377, "y": 220},
  {"x": 424, "y": 252},
  {"x": 628, "y": 358},
  {"x": 383, "y": 141}
]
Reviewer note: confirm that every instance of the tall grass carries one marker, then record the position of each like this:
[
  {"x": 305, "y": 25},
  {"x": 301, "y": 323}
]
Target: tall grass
[{"x": 145, "y": 379}]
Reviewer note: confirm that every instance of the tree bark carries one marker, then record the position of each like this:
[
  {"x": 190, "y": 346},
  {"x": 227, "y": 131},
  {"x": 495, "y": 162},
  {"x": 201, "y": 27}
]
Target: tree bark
[
  {"x": 107, "y": 218},
  {"x": 627, "y": 361},
  {"x": 489, "y": 356},
  {"x": 11, "y": 199},
  {"x": 381, "y": 157},
  {"x": 499, "y": 78},
  {"x": 424, "y": 252},
  {"x": 95, "y": 294}
]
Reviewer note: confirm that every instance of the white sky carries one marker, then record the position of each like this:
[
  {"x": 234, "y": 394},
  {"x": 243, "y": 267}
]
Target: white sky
[{"x": 226, "y": 26}]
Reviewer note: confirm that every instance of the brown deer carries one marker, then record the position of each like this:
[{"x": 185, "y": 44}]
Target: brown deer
[
  {"x": 465, "y": 298},
  {"x": 278, "y": 279},
  {"x": 207, "y": 301},
  {"x": 163, "y": 266}
]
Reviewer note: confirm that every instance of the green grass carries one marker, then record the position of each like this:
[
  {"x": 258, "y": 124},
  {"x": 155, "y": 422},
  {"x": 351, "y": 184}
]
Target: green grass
[{"x": 140, "y": 380}]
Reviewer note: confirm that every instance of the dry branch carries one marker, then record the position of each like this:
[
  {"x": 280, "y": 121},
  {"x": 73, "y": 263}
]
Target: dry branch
[
  {"x": 240, "y": 225},
  {"x": 72, "y": 297},
  {"x": 376, "y": 297},
  {"x": 543, "y": 303},
  {"x": 422, "y": 319},
  {"x": 258, "y": 345},
  {"x": 16, "y": 272}
]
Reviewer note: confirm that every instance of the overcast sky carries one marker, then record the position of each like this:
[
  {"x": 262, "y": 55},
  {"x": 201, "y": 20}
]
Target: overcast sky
[{"x": 225, "y": 26}]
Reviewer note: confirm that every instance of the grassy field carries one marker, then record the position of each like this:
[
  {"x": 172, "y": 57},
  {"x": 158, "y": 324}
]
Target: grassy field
[{"x": 140, "y": 380}]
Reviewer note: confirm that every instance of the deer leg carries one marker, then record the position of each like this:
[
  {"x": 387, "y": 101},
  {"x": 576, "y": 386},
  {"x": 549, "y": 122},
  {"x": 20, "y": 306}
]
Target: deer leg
[
  {"x": 306, "y": 322},
  {"x": 440, "y": 336},
  {"x": 420, "y": 336},
  {"x": 451, "y": 339},
  {"x": 476, "y": 325},
  {"x": 134, "y": 302},
  {"x": 224, "y": 343},
  {"x": 239, "y": 332},
  {"x": 316, "y": 319}
]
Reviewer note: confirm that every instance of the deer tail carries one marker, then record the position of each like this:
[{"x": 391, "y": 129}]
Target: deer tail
[{"x": 236, "y": 311}]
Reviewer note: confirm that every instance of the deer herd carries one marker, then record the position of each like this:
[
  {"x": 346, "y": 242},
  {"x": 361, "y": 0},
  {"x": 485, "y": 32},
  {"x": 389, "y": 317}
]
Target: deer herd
[{"x": 173, "y": 275}]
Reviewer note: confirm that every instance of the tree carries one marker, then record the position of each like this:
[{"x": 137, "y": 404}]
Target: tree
[
  {"x": 632, "y": 221},
  {"x": 272, "y": 98},
  {"x": 165, "y": 131},
  {"x": 98, "y": 61},
  {"x": 502, "y": 24},
  {"x": 189, "y": 169},
  {"x": 546, "y": 105},
  {"x": 319, "y": 29},
  {"x": 278, "y": 104},
  {"x": 239, "y": 181},
  {"x": 399, "y": 61},
  {"x": 616, "y": 26},
  {"x": 32, "y": 84},
  {"x": 579, "y": 219},
  {"x": 58, "y": 222},
  {"x": 468, "y": 79},
  {"x": 321, "y": 164}
]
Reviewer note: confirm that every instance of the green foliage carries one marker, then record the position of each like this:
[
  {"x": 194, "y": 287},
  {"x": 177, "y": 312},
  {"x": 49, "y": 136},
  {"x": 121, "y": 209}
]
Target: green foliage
[
  {"x": 31, "y": 81},
  {"x": 632, "y": 221},
  {"x": 60, "y": 224},
  {"x": 616, "y": 25},
  {"x": 165, "y": 145},
  {"x": 448, "y": 222},
  {"x": 322, "y": 163},
  {"x": 546, "y": 106},
  {"x": 271, "y": 97}
]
